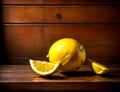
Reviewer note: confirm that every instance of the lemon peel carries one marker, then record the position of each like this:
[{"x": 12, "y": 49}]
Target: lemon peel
[{"x": 68, "y": 52}]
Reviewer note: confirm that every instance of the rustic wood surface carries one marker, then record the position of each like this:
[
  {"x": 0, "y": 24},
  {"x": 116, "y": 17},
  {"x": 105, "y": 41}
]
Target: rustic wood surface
[{"x": 21, "y": 77}]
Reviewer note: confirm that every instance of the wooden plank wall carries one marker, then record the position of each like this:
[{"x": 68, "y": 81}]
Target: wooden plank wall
[{"x": 31, "y": 26}]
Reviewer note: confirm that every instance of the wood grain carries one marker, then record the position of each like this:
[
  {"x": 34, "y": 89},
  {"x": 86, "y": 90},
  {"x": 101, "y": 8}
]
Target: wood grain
[{"x": 69, "y": 14}]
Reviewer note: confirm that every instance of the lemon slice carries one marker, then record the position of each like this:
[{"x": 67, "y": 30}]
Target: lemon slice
[
  {"x": 98, "y": 68},
  {"x": 43, "y": 68}
]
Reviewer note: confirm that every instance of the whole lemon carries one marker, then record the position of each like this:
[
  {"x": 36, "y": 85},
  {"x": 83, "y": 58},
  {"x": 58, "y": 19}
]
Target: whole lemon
[{"x": 68, "y": 52}]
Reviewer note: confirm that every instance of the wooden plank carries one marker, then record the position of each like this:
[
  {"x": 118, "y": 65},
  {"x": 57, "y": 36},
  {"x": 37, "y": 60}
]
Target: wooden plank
[
  {"x": 88, "y": 2},
  {"x": 82, "y": 80},
  {"x": 33, "y": 41},
  {"x": 69, "y": 14}
]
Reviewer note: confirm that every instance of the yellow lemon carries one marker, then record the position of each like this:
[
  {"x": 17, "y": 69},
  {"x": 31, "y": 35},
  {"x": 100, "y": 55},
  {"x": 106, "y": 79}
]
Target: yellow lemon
[
  {"x": 43, "y": 68},
  {"x": 68, "y": 52},
  {"x": 98, "y": 68}
]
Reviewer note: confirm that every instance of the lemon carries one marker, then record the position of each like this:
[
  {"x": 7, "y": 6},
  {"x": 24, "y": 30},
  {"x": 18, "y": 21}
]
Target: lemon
[
  {"x": 98, "y": 68},
  {"x": 67, "y": 52},
  {"x": 43, "y": 68}
]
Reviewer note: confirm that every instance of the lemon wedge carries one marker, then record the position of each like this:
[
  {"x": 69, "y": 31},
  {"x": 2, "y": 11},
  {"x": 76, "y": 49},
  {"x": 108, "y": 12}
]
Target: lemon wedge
[
  {"x": 98, "y": 68},
  {"x": 43, "y": 68}
]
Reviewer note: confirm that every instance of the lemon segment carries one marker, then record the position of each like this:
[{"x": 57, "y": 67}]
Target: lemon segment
[
  {"x": 43, "y": 68},
  {"x": 99, "y": 68}
]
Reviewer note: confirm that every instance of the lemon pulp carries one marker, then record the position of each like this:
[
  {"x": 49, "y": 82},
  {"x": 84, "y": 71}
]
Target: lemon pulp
[{"x": 43, "y": 68}]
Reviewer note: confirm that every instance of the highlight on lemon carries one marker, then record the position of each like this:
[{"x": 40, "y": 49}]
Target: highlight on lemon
[
  {"x": 43, "y": 68},
  {"x": 98, "y": 68},
  {"x": 68, "y": 52}
]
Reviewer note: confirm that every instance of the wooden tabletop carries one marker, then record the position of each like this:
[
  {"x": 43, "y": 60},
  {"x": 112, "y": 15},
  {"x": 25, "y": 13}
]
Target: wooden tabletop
[{"x": 22, "y": 78}]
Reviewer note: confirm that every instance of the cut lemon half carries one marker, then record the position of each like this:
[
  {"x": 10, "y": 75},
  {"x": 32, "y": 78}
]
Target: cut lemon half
[
  {"x": 98, "y": 68},
  {"x": 43, "y": 68}
]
